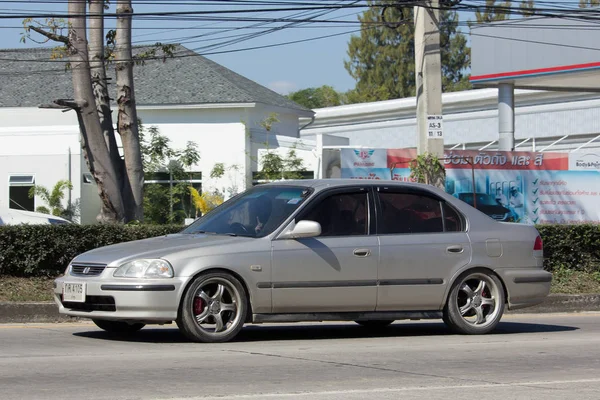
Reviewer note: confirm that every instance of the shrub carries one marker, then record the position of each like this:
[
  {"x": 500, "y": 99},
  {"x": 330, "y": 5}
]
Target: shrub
[
  {"x": 46, "y": 250},
  {"x": 573, "y": 247}
]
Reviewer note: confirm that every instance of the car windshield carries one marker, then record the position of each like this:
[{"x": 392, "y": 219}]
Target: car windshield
[
  {"x": 254, "y": 213},
  {"x": 482, "y": 199}
]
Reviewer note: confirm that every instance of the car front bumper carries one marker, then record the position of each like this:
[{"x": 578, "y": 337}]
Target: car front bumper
[{"x": 149, "y": 300}]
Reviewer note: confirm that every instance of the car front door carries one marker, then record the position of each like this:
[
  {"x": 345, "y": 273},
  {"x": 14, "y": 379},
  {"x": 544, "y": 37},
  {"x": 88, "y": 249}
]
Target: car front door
[
  {"x": 422, "y": 241},
  {"x": 336, "y": 271}
]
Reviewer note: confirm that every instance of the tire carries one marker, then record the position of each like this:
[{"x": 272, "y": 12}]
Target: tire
[
  {"x": 214, "y": 299},
  {"x": 375, "y": 323},
  {"x": 118, "y": 327},
  {"x": 474, "y": 309}
]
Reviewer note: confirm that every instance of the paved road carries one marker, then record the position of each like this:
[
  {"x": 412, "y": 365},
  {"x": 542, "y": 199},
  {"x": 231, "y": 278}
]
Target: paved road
[{"x": 531, "y": 356}]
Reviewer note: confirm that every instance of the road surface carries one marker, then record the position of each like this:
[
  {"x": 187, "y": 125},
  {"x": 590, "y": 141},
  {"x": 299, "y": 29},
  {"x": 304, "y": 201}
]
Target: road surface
[{"x": 550, "y": 356}]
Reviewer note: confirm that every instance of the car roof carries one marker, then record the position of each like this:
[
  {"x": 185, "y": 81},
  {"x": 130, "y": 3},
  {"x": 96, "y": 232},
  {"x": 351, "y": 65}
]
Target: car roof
[{"x": 329, "y": 183}]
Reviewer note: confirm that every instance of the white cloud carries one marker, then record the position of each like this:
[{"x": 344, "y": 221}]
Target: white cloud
[{"x": 283, "y": 87}]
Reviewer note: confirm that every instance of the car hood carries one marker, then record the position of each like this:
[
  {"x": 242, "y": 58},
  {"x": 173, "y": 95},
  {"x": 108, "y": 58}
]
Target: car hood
[{"x": 157, "y": 247}]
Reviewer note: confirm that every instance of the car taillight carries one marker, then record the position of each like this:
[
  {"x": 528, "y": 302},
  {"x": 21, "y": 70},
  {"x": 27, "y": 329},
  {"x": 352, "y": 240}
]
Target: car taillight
[{"x": 538, "y": 245}]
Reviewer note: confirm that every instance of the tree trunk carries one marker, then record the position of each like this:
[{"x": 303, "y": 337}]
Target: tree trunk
[
  {"x": 127, "y": 122},
  {"x": 100, "y": 84},
  {"x": 93, "y": 144}
]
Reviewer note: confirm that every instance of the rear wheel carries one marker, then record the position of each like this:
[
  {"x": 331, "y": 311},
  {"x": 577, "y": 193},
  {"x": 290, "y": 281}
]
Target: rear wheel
[
  {"x": 213, "y": 309},
  {"x": 475, "y": 304},
  {"x": 375, "y": 324},
  {"x": 118, "y": 327}
]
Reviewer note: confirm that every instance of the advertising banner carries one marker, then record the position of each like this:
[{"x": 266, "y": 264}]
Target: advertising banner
[{"x": 526, "y": 187}]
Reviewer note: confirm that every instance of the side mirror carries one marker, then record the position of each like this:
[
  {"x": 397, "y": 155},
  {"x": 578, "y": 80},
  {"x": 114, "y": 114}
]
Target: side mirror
[{"x": 302, "y": 229}]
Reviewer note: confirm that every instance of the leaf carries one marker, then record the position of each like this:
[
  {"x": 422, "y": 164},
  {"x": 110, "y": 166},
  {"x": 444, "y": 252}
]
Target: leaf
[{"x": 382, "y": 59}]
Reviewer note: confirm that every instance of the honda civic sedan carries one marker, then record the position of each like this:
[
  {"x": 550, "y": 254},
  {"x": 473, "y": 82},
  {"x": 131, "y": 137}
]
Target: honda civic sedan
[{"x": 324, "y": 250}]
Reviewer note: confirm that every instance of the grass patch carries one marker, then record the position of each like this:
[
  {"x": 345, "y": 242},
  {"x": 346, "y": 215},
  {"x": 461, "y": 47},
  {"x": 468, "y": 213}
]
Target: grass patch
[
  {"x": 25, "y": 289},
  {"x": 566, "y": 281},
  {"x": 569, "y": 281}
]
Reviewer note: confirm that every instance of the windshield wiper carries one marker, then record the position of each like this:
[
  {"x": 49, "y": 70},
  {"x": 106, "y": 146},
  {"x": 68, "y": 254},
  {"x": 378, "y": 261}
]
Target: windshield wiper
[{"x": 215, "y": 233}]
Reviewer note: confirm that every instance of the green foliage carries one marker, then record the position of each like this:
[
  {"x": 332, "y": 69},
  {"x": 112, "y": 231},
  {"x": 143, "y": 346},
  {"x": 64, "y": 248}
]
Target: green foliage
[
  {"x": 46, "y": 250},
  {"x": 190, "y": 155},
  {"x": 527, "y": 8},
  {"x": 575, "y": 247},
  {"x": 324, "y": 96},
  {"x": 54, "y": 199},
  {"x": 269, "y": 121},
  {"x": 570, "y": 281},
  {"x": 157, "y": 203},
  {"x": 160, "y": 158},
  {"x": 382, "y": 59},
  {"x": 218, "y": 171},
  {"x": 493, "y": 11},
  {"x": 428, "y": 169},
  {"x": 589, "y": 3},
  {"x": 275, "y": 167}
]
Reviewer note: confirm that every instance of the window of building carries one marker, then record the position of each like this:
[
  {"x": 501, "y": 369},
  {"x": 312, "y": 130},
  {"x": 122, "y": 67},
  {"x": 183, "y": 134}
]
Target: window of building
[
  {"x": 341, "y": 214},
  {"x": 18, "y": 192}
]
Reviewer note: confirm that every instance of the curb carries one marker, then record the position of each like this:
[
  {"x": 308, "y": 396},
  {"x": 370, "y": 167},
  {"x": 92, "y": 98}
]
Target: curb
[
  {"x": 48, "y": 311},
  {"x": 557, "y": 303},
  {"x": 31, "y": 312}
]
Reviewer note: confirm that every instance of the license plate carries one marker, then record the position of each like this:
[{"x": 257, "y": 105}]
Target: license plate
[{"x": 74, "y": 292}]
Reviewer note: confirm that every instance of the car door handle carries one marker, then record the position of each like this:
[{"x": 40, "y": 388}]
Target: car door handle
[
  {"x": 362, "y": 252},
  {"x": 455, "y": 249}
]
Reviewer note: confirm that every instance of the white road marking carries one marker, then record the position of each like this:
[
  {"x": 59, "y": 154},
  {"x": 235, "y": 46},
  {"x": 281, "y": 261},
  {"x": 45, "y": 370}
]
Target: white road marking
[{"x": 390, "y": 390}]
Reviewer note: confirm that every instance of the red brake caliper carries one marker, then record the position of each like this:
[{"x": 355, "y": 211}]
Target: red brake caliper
[{"x": 198, "y": 306}]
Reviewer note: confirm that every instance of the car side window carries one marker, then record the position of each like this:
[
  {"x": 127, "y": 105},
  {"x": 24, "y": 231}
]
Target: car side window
[
  {"x": 452, "y": 220},
  {"x": 342, "y": 214},
  {"x": 415, "y": 213}
]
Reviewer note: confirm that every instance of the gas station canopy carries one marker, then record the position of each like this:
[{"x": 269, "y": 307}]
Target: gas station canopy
[{"x": 543, "y": 53}]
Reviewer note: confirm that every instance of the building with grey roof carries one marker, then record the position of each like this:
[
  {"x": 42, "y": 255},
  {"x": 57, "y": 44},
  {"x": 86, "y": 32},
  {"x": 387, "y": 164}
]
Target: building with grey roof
[{"x": 187, "y": 96}]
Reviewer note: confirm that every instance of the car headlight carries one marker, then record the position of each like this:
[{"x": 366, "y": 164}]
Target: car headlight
[{"x": 145, "y": 269}]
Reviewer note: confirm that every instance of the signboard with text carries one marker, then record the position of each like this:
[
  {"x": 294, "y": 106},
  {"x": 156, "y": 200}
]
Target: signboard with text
[{"x": 527, "y": 187}]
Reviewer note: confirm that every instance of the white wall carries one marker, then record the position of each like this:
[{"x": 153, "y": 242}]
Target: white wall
[
  {"x": 36, "y": 141},
  {"x": 219, "y": 134},
  {"x": 470, "y": 117},
  {"x": 288, "y": 121},
  {"x": 29, "y": 147}
]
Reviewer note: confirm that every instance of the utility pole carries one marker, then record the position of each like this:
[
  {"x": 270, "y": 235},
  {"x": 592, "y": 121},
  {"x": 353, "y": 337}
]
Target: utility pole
[{"x": 428, "y": 73}]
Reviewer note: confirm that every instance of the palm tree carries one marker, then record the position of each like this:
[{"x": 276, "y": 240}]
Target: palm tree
[{"x": 53, "y": 199}]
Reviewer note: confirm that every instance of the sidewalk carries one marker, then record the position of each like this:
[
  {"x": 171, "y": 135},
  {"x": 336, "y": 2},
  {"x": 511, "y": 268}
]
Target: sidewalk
[{"x": 48, "y": 312}]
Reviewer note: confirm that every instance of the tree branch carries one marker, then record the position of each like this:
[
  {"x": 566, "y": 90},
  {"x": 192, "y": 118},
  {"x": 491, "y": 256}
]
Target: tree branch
[
  {"x": 49, "y": 35},
  {"x": 75, "y": 105}
]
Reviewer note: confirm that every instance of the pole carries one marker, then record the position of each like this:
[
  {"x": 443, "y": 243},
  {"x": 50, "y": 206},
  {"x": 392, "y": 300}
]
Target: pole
[
  {"x": 506, "y": 117},
  {"x": 70, "y": 179},
  {"x": 171, "y": 193},
  {"x": 428, "y": 74}
]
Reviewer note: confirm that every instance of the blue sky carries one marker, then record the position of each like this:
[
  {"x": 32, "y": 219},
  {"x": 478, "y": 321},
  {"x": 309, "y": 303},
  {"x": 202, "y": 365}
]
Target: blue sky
[{"x": 283, "y": 69}]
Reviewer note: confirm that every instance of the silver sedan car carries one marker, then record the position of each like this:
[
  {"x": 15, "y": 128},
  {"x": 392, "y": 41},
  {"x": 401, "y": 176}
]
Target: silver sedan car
[{"x": 323, "y": 250}]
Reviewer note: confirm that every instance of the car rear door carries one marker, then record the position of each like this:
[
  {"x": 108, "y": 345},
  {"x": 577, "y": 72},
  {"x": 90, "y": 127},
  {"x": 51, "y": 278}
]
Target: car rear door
[
  {"x": 336, "y": 271},
  {"x": 422, "y": 241}
]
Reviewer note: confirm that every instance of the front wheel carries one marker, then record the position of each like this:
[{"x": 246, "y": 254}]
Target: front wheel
[
  {"x": 213, "y": 309},
  {"x": 475, "y": 304},
  {"x": 118, "y": 327}
]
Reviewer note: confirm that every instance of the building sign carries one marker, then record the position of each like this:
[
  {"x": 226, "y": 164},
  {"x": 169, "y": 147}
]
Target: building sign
[
  {"x": 526, "y": 187},
  {"x": 435, "y": 127},
  {"x": 364, "y": 158}
]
